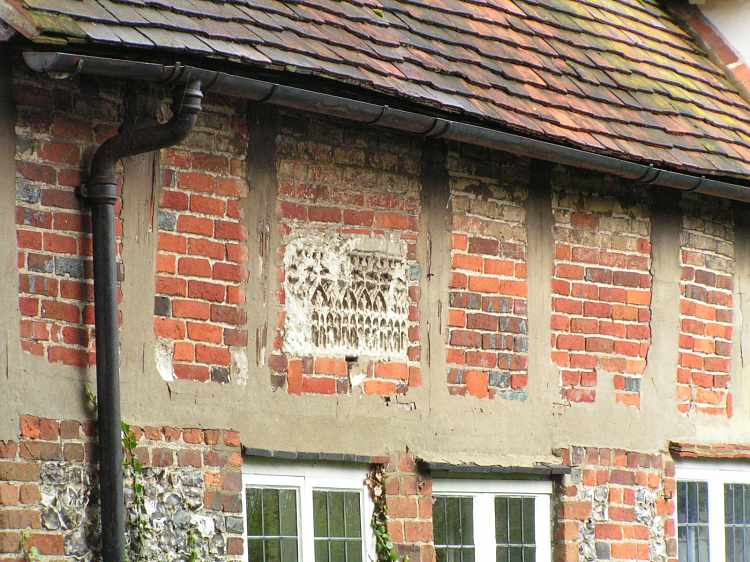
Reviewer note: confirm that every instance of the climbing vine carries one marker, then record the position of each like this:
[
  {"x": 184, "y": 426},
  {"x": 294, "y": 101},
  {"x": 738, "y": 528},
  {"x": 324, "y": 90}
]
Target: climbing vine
[
  {"x": 139, "y": 522},
  {"x": 30, "y": 553},
  {"x": 385, "y": 550}
]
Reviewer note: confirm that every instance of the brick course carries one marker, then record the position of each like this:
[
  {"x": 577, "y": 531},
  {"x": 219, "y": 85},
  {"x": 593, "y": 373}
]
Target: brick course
[
  {"x": 601, "y": 286},
  {"x": 487, "y": 341},
  {"x": 409, "y": 500},
  {"x": 199, "y": 313},
  {"x": 706, "y": 307},
  {"x": 58, "y": 125}
]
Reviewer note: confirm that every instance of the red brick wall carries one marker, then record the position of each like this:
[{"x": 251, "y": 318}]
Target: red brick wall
[
  {"x": 201, "y": 262},
  {"x": 71, "y": 445},
  {"x": 409, "y": 500},
  {"x": 58, "y": 125},
  {"x": 487, "y": 319},
  {"x": 350, "y": 182},
  {"x": 601, "y": 287},
  {"x": 617, "y": 505},
  {"x": 707, "y": 260}
]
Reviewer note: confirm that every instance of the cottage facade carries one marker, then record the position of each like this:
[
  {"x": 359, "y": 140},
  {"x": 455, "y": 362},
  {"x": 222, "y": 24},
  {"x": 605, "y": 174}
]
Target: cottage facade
[{"x": 472, "y": 272}]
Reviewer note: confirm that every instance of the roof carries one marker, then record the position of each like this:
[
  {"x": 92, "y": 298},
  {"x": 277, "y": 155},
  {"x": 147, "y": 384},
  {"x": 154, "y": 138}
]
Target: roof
[{"x": 618, "y": 77}]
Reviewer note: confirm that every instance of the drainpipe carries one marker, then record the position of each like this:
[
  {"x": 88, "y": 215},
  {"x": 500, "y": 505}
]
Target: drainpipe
[
  {"x": 259, "y": 91},
  {"x": 101, "y": 195}
]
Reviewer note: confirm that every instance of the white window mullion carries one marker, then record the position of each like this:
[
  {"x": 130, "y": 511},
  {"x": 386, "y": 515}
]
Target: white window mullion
[
  {"x": 246, "y": 553},
  {"x": 542, "y": 527},
  {"x": 484, "y": 527},
  {"x": 307, "y": 530},
  {"x": 716, "y": 537}
]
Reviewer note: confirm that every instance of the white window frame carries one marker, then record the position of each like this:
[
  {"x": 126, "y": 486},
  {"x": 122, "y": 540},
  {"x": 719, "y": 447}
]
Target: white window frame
[
  {"x": 715, "y": 474},
  {"x": 483, "y": 493},
  {"x": 305, "y": 477}
]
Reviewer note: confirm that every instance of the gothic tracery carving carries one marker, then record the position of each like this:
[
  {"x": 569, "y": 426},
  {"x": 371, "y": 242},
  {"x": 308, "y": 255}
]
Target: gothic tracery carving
[{"x": 345, "y": 300}]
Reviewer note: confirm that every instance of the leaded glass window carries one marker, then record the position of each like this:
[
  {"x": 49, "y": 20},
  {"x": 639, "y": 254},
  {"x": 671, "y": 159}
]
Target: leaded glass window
[
  {"x": 338, "y": 527},
  {"x": 737, "y": 522},
  {"x": 692, "y": 521},
  {"x": 453, "y": 528},
  {"x": 271, "y": 524},
  {"x": 514, "y": 529},
  {"x": 492, "y": 520}
]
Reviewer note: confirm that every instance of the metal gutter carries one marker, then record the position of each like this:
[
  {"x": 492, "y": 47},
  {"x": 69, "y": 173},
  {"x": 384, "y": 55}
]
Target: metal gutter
[{"x": 65, "y": 64}]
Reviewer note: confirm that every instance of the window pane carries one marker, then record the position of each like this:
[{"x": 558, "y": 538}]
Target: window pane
[
  {"x": 514, "y": 529},
  {"x": 528, "y": 521},
  {"x": 272, "y": 524},
  {"x": 353, "y": 518},
  {"x": 737, "y": 506},
  {"x": 320, "y": 514},
  {"x": 338, "y": 551},
  {"x": 271, "y": 512},
  {"x": 254, "y": 515},
  {"x": 501, "y": 520},
  {"x": 353, "y": 551},
  {"x": 453, "y": 520},
  {"x": 255, "y": 550},
  {"x": 335, "y": 516},
  {"x": 692, "y": 518},
  {"x": 681, "y": 502},
  {"x": 515, "y": 522},
  {"x": 453, "y": 528},
  {"x": 321, "y": 551},
  {"x": 338, "y": 526},
  {"x": 439, "y": 521},
  {"x": 289, "y": 550},
  {"x": 467, "y": 521},
  {"x": 288, "y": 512}
]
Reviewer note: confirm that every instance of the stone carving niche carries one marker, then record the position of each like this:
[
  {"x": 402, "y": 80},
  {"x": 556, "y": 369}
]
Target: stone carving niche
[{"x": 346, "y": 296}]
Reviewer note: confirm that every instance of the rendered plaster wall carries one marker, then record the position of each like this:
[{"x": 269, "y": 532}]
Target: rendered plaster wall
[
  {"x": 730, "y": 18},
  {"x": 411, "y": 193}
]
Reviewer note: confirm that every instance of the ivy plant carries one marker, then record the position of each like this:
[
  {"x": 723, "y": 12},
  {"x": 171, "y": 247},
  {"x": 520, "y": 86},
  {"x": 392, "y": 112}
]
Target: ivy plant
[{"x": 385, "y": 549}]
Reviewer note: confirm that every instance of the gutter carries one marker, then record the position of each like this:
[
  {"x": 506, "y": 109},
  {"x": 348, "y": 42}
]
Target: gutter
[
  {"x": 65, "y": 64},
  {"x": 101, "y": 193}
]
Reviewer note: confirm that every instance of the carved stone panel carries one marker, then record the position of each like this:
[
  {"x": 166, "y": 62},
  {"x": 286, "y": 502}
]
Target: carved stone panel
[{"x": 346, "y": 296}]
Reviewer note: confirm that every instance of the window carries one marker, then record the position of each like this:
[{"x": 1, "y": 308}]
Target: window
[
  {"x": 713, "y": 512},
  {"x": 491, "y": 520},
  {"x": 303, "y": 512}
]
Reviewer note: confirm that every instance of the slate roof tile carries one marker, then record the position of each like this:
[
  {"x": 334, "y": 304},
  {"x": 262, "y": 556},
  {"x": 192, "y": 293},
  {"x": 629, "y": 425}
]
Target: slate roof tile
[{"x": 615, "y": 76}]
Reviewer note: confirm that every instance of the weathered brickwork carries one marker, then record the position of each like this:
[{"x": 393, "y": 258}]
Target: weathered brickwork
[
  {"x": 707, "y": 260},
  {"x": 352, "y": 188},
  {"x": 728, "y": 451},
  {"x": 409, "y": 499},
  {"x": 59, "y": 123},
  {"x": 616, "y": 505},
  {"x": 601, "y": 286},
  {"x": 48, "y": 487},
  {"x": 201, "y": 263},
  {"x": 487, "y": 319}
]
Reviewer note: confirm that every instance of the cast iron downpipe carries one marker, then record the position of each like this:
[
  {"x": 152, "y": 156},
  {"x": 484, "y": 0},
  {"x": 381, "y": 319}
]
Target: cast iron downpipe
[
  {"x": 65, "y": 64},
  {"x": 100, "y": 193}
]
